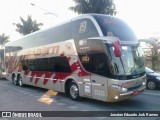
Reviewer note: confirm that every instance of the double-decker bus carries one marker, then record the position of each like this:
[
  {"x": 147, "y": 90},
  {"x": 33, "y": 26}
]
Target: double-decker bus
[{"x": 93, "y": 55}]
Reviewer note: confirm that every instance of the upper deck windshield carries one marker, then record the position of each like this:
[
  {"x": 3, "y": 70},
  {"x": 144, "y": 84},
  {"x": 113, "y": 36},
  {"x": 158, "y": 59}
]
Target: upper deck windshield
[
  {"x": 112, "y": 26},
  {"x": 131, "y": 62}
]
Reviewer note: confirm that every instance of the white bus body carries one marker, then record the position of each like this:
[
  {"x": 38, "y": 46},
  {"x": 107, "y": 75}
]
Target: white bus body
[{"x": 94, "y": 56}]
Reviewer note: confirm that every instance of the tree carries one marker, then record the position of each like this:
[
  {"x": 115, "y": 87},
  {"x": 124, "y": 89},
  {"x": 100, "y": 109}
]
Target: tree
[
  {"x": 151, "y": 51},
  {"x": 94, "y": 6},
  {"x": 3, "y": 39},
  {"x": 28, "y": 26}
]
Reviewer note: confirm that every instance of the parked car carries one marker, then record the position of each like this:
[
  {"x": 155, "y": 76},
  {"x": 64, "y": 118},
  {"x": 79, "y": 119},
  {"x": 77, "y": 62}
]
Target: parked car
[{"x": 153, "y": 78}]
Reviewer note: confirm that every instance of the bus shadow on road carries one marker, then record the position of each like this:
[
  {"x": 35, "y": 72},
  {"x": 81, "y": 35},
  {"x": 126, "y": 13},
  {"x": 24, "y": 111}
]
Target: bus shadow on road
[
  {"x": 129, "y": 104},
  {"x": 3, "y": 79},
  {"x": 132, "y": 104}
]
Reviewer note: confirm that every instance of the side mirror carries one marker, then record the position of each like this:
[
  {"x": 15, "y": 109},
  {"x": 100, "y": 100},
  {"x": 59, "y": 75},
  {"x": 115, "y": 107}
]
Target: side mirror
[{"x": 117, "y": 48}]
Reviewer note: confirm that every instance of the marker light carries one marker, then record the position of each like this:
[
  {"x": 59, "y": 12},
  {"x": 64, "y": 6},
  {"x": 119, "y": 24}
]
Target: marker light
[
  {"x": 144, "y": 83},
  {"x": 116, "y": 97},
  {"x": 4, "y": 73},
  {"x": 119, "y": 88}
]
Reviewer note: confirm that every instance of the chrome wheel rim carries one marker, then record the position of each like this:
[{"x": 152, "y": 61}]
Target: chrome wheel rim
[
  {"x": 74, "y": 91},
  {"x": 151, "y": 85},
  {"x": 20, "y": 81},
  {"x": 15, "y": 80}
]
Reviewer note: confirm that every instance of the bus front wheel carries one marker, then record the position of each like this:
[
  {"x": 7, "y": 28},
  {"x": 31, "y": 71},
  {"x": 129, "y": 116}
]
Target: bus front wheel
[{"x": 74, "y": 91}]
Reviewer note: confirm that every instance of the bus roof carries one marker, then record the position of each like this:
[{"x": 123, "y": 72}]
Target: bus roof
[
  {"x": 39, "y": 31},
  {"x": 89, "y": 15}
]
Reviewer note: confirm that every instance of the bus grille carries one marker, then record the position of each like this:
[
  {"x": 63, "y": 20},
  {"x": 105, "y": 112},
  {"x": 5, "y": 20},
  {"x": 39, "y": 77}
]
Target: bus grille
[{"x": 134, "y": 88}]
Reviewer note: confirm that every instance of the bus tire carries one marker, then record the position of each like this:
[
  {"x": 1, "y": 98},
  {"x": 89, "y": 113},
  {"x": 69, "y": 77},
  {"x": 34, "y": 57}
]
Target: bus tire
[
  {"x": 74, "y": 91},
  {"x": 14, "y": 79},
  {"x": 20, "y": 83}
]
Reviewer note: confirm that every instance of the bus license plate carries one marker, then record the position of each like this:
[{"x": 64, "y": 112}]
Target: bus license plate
[{"x": 135, "y": 93}]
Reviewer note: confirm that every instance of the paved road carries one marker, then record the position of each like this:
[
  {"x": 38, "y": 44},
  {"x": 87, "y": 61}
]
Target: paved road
[{"x": 15, "y": 98}]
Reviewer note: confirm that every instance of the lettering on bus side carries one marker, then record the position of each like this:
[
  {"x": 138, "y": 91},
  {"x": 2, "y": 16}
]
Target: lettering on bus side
[{"x": 43, "y": 51}]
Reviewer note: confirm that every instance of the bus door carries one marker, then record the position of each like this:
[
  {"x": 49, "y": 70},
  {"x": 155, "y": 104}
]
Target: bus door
[
  {"x": 99, "y": 87},
  {"x": 98, "y": 78},
  {"x": 95, "y": 86}
]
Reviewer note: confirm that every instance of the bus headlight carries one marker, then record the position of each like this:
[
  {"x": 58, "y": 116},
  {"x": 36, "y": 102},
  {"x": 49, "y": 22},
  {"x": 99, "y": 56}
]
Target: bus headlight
[
  {"x": 4, "y": 73},
  {"x": 119, "y": 88},
  {"x": 144, "y": 83}
]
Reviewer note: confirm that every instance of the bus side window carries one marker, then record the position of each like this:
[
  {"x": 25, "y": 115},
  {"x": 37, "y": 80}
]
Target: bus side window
[
  {"x": 53, "y": 64},
  {"x": 25, "y": 67},
  {"x": 84, "y": 28},
  {"x": 62, "y": 65},
  {"x": 31, "y": 67},
  {"x": 100, "y": 64}
]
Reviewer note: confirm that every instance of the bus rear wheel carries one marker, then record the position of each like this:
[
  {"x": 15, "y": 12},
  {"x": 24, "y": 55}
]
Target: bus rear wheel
[
  {"x": 74, "y": 91},
  {"x": 20, "y": 83},
  {"x": 14, "y": 79}
]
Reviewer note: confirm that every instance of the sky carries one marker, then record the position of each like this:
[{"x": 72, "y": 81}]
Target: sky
[{"x": 142, "y": 15}]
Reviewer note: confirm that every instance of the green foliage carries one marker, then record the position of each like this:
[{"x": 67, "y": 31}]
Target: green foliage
[
  {"x": 94, "y": 6},
  {"x": 3, "y": 39},
  {"x": 151, "y": 52},
  {"x": 28, "y": 26}
]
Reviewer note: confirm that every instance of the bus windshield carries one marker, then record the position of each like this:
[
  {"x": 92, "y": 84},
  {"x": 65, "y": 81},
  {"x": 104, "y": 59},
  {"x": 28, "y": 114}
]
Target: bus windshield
[
  {"x": 130, "y": 63},
  {"x": 112, "y": 26}
]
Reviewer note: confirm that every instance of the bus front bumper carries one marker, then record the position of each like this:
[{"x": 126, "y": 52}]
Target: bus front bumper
[
  {"x": 119, "y": 96},
  {"x": 133, "y": 93}
]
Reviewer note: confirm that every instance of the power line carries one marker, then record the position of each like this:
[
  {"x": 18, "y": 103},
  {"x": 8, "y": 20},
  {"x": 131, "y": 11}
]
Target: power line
[{"x": 47, "y": 12}]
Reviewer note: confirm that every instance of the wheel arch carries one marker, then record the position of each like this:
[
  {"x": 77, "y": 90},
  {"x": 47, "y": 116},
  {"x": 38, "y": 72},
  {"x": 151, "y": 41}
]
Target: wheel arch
[{"x": 67, "y": 82}]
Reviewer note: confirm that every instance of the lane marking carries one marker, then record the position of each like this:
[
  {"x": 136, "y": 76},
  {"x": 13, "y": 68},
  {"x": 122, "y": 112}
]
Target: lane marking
[
  {"x": 47, "y": 97},
  {"x": 61, "y": 104},
  {"x": 151, "y": 94},
  {"x": 73, "y": 107}
]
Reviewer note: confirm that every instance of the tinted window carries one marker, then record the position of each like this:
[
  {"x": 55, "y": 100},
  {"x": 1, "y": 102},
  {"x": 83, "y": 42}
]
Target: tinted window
[
  {"x": 89, "y": 46},
  {"x": 92, "y": 56},
  {"x": 54, "y": 64},
  {"x": 112, "y": 26},
  {"x": 84, "y": 28},
  {"x": 95, "y": 63},
  {"x": 56, "y": 34}
]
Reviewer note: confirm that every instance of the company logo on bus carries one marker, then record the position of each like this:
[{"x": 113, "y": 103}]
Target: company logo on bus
[
  {"x": 82, "y": 42},
  {"x": 43, "y": 51},
  {"x": 83, "y": 27},
  {"x": 85, "y": 58}
]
